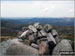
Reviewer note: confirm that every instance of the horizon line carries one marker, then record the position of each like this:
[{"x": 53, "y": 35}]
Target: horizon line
[{"x": 37, "y": 17}]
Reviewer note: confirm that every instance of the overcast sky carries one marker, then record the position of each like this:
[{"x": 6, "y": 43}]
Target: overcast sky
[{"x": 37, "y": 8}]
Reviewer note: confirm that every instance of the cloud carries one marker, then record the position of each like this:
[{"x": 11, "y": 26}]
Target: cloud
[{"x": 37, "y": 9}]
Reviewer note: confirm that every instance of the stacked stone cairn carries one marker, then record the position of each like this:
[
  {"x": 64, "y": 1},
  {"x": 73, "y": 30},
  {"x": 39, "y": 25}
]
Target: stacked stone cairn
[{"x": 43, "y": 40}]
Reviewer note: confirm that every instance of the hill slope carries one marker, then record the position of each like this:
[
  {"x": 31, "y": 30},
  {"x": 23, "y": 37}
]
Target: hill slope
[{"x": 52, "y": 21}]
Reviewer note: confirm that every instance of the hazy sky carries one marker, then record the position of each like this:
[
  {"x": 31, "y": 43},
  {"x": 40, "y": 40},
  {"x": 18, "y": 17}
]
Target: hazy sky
[{"x": 37, "y": 8}]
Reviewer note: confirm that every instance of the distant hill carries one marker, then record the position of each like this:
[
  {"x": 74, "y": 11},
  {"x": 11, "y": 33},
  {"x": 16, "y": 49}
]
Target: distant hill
[
  {"x": 9, "y": 28},
  {"x": 8, "y": 24},
  {"x": 52, "y": 21},
  {"x": 64, "y": 26}
]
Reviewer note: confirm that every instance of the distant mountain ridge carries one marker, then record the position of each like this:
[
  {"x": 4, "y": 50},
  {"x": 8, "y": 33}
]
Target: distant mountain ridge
[
  {"x": 11, "y": 26},
  {"x": 52, "y": 21}
]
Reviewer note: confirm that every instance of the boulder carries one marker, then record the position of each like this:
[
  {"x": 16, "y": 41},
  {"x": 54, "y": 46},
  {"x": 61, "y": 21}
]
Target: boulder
[
  {"x": 18, "y": 48},
  {"x": 63, "y": 48}
]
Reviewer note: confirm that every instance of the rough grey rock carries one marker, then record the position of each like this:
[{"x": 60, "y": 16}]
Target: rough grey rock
[
  {"x": 43, "y": 33},
  {"x": 24, "y": 34},
  {"x": 38, "y": 26},
  {"x": 63, "y": 46},
  {"x": 50, "y": 38},
  {"x": 35, "y": 46},
  {"x": 17, "y": 48},
  {"x": 57, "y": 39},
  {"x": 47, "y": 27},
  {"x": 53, "y": 32},
  {"x": 31, "y": 27}
]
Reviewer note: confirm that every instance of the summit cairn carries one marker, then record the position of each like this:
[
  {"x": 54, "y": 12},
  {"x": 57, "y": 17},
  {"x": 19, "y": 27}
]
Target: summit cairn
[
  {"x": 38, "y": 33},
  {"x": 43, "y": 39}
]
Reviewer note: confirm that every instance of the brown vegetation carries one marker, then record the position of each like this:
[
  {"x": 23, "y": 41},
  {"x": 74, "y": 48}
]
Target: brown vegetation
[{"x": 4, "y": 38}]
